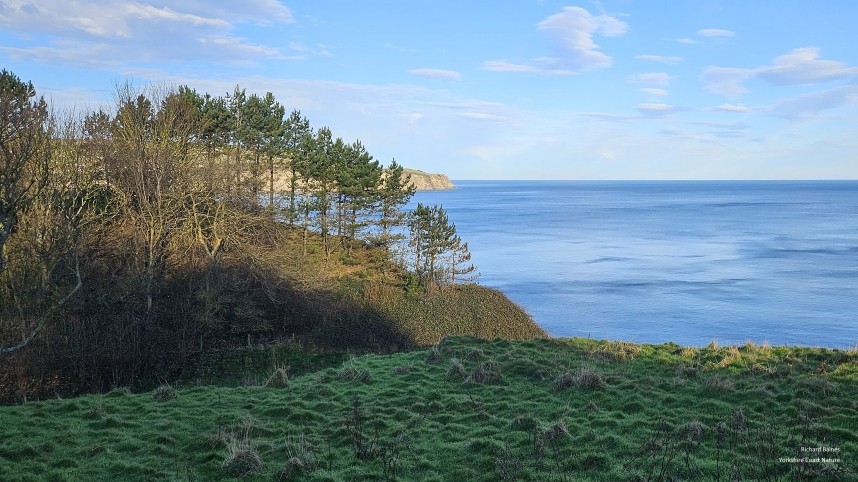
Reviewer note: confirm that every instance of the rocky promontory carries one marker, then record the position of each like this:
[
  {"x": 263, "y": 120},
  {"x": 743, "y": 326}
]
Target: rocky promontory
[{"x": 425, "y": 181}]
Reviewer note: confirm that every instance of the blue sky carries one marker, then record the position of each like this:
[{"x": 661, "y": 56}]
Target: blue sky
[{"x": 523, "y": 89}]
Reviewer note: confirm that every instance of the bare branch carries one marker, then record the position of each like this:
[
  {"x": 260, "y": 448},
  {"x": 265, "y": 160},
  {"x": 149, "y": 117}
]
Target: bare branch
[{"x": 40, "y": 324}]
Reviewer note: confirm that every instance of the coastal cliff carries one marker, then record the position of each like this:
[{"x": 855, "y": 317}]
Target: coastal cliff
[
  {"x": 425, "y": 181},
  {"x": 421, "y": 180}
]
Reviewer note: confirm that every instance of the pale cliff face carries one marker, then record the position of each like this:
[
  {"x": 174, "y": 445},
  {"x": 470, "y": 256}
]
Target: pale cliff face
[{"x": 424, "y": 181}]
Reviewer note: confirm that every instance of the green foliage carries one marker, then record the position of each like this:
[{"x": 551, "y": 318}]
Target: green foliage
[
  {"x": 481, "y": 411},
  {"x": 438, "y": 254}
]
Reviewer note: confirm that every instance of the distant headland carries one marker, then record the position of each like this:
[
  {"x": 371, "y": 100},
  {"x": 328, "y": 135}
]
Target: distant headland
[{"x": 425, "y": 181}]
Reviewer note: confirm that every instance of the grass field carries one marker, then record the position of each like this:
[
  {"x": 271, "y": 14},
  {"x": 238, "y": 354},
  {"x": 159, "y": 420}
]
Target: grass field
[{"x": 465, "y": 409}]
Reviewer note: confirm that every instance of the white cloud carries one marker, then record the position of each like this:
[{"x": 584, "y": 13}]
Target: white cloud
[
  {"x": 438, "y": 74},
  {"x": 483, "y": 116},
  {"x": 128, "y": 31},
  {"x": 463, "y": 105},
  {"x": 716, "y": 33},
  {"x": 802, "y": 66},
  {"x": 652, "y": 91},
  {"x": 151, "y": 12},
  {"x": 662, "y": 59},
  {"x": 609, "y": 117},
  {"x": 657, "y": 78},
  {"x": 572, "y": 31},
  {"x": 799, "y": 67},
  {"x": 809, "y": 106},
  {"x": 574, "y": 28},
  {"x": 732, "y": 108},
  {"x": 538, "y": 66},
  {"x": 412, "y": 117},
  {"x": 655, "y": 109},
  {"x": 87, "y": 55}
]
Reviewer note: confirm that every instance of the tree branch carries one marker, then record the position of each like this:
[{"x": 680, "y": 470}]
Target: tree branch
[{"x": 44, "y": 318}]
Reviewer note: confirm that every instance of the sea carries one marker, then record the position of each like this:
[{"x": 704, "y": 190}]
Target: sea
[{"x": 689, "y": 262}]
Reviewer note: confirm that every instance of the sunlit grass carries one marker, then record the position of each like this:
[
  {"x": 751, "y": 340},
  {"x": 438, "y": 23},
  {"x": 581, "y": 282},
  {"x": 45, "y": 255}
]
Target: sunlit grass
[{"x": 464, "y": 409}]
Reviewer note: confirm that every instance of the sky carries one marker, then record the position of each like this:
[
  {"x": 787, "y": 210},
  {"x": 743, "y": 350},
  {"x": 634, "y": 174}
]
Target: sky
[{"x": 478, "y": 89}]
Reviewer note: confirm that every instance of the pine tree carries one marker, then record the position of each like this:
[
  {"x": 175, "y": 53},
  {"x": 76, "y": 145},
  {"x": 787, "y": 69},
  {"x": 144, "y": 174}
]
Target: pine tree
[
  {"x": 395, "y": 192},
  {"x": 215, "y": 131},
  {"x": 357, "y": 183},
  {"x": 438, "y": 252},
  {"x": 296, "y": 132}
]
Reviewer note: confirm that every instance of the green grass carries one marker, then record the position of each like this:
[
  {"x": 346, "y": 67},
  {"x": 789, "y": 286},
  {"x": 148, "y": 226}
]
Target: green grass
[{"x": 465, "y": 409}]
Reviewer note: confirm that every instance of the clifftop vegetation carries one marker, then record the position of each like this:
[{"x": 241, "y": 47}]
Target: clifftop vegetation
[{"x": 134, "y": 238}]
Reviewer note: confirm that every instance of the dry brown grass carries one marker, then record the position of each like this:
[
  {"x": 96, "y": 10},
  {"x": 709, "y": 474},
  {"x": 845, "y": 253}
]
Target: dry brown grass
[
  {"x": 278, "y": 379},
  {"x": 583, "y": 377}
]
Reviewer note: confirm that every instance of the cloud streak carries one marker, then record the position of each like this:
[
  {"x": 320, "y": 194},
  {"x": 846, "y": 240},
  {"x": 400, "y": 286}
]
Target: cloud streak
[
  {"x": 716, "y": 33},
  {"x": 811, "y": 105},
  {"x": 657, "y": 78},
  {"x": 662, "y": 59},
  {"x": 741, "y": 108},
  {"x": 800, "y": 67},
  {"x": 655, "y": 109},
  {"x": 436, "y": 74}
]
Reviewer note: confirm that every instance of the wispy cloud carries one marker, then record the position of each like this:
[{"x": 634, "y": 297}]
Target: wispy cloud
[
  {"x": 811, "y": 105},
  {"x": 127, "y": 31},
  {"x": 662, "y": 59},
  {"x": 483, "y": 116},
  {"x": 652, "y": 91},
  {"x": 655, "y": 109},
  {"x": 304, "y": 52},
  {"x": 716, "y": 33},
  {"x": 716, "y": 130},
  {"x": 607, "y": 117},
  {"x": 437, "y": 74},
  {"x": 572, "y": 32},
  {"x": 656, "y": 78},
  {"x": 803, "y": 66},
  {"x": 800, "y": 67},
  {"x": 686, "y": 135},
  {"x": 543, "y": 66},
  {"x": 741, "y": 108}
]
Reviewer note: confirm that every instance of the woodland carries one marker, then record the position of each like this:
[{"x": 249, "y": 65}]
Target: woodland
[{"x": 175, "y": 223}]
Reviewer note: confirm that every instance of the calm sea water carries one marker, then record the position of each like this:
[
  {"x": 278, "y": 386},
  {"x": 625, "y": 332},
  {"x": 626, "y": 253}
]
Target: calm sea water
[{"x": 681, "y": 261}]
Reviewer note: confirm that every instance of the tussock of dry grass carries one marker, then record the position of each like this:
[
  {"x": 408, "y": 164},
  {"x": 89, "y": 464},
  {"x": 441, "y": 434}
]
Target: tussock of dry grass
[
  {"x": 278, "y": 379},
  {"x": 164, "y": 392},
  {"x": 581, "y": 378}
]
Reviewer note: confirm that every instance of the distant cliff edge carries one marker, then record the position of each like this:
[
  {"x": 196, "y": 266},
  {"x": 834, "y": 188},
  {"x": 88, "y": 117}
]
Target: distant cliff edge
[{"x": 424, "y": 181}]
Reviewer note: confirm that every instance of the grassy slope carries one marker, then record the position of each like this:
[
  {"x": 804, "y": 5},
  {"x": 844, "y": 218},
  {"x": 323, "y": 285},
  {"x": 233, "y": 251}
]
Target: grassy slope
[{"x": 466, "y": 409}]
